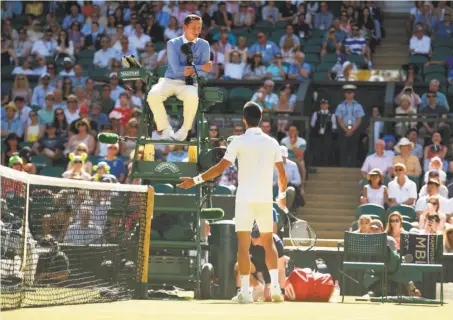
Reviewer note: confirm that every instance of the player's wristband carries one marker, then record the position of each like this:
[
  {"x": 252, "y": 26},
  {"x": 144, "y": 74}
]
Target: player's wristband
[
  {"x": 198, "y": 180},
  {"x": 281, "y": 195}
]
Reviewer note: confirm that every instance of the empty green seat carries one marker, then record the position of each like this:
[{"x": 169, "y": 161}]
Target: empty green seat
[
  {"x": 316, "y": 33},
  {"x": 7, "y": 72},
  {"x": 369, "y": 209},
  {"x": 434, "y": 69},
  {"x": 223, "y": 190},
  {"x": 161, "y": 71},
  {"x": 330, "y": 57},
  {"x": 238, "y": 97},
  {"x": 280, "y": 24},
  {"x": 438, "y": 76},
  {"x": 357, "y": 59},
  {"x": 41, "y": 161},
  {"x": 312, "y": 59},
  {"x": 158, "y": 46},
  {"x": 407, "y": 226},
  {"x": 441, "y": 42},
  {"x": 316, "y": 49},
  {"x": 56, "y": 172},
  {"x": 98, "y": 74},
  {"x": 240, "y": 32},
  {"x": 324, "y": 66},
  {"x": 86, "y": 54},
  {"x": 264, "y": 25},
  {"x": 417, "y": 60},
  {"x": 314, "y": 41},
  {"x": 320, "y": 76},
  {"x": 221, "y": 106},
  {"x": 164, "y": 188}
]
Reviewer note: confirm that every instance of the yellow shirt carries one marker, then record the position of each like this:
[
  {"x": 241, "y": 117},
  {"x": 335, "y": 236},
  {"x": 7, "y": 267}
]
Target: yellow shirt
[{"x": 413, "y": 168}]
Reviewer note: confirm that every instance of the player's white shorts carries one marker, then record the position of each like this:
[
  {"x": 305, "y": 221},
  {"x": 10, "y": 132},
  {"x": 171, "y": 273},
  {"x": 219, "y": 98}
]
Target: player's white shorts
[{"x": 247, "y": 212}]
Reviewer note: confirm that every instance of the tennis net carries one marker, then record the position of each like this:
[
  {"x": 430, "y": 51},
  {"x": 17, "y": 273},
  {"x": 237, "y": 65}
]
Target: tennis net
[{"x": 69, "y": 242}]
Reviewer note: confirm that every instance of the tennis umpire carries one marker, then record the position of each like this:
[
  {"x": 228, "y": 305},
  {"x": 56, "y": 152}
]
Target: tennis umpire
[
  {"x": 260, "y": 274},
  {"x": 257, "y": 154},
  {"x": 174, "y": 81}
]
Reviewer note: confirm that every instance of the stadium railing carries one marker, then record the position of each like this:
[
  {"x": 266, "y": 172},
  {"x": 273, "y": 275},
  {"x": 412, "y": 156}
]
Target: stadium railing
[{"x": 70, "y": 242}]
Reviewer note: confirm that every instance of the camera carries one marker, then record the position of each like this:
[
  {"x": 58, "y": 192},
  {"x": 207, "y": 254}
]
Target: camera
[{"x": 211, "y": 157}]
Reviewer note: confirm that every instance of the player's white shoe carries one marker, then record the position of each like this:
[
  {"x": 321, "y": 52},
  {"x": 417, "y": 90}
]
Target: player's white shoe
[
  {"x": 276, "y": 294},
  {"x": 180, "y": 135},
  {"x": 168, "y": 134},
  {"x": 243, "y": 297}
]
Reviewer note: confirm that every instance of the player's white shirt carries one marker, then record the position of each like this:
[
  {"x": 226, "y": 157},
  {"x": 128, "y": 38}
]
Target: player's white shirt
[{"x": 257, "y": 154}]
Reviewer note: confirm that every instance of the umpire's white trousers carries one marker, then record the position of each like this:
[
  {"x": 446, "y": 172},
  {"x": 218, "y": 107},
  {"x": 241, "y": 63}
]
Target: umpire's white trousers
[{"x": 166, "y": 88}]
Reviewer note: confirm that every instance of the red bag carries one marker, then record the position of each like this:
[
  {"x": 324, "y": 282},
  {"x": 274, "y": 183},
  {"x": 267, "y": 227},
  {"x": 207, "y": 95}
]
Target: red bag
[{"x": 306, "y": 285}]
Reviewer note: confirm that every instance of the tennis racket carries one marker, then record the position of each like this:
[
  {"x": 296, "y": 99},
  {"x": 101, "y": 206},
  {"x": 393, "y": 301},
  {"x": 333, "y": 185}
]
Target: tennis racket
[{"x": 301, "y": 234}]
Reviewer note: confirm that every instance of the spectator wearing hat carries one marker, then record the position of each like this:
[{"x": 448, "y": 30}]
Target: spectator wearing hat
[
  {"x": 434, "y": 174},
  {"x": 101, "y": 169},
  {"x": 115, "y": 89},
  {"x": 378, "y": 160},
  {"x": 294, "y": 181},
  {"x": 104, "y": 56},
  {"x": 83, "y": 136},
  {"x": 81, "y": 149},
  {"x": 50, "y": 144},
  {"x": 417, "y": 151},
  {"x": 77, "y": 172},
  {"x": 46, "y": 47},
  {"x": 347, "y": 73},
  {"x": 436, "y": 155},
  {"x": 16, "y": 163},
  {"x": 401, "y": 190},
  {"x": 411, "y": 162},
  {"x": 68, "y": 70},
  {"x": 323, "y": 124},
  {"x": 299, "y": 70},
  {"x": 26, "y": 154},
  {"x": 117, "y": 167},
  {"x": 84, "y": 114},
  {"x": 72, "y": 111},
  {"x": 41, "y": 90},
  {"x": 10, "y": 122},
  {"x": 115, "y": 119},
  {"x": 375, "y": 191},
  {"x": 349, "y": 116}
]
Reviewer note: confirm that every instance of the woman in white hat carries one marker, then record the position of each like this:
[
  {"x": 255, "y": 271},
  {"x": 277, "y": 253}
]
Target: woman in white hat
[
  {"x": 413, "y": 167},
  {"x": 404, "y": 110},
  {"x": 375, "y": 191}
]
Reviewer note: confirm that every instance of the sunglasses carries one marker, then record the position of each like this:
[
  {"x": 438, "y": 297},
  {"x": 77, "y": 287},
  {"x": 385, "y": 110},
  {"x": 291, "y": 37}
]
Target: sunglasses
[
  {"x": 434, "y": 218},
  {"x": 394, "y": 220},
  {"x": 77, "y": 161},
  {"x": 213, "y": 129},
  {"x": 431, "y": 96},
  {"x": 398, "y": 170},
  {"x": 60, "y": 113},
  {"x": 81, "y": 150},
  {"x": 260, "y": 37}
]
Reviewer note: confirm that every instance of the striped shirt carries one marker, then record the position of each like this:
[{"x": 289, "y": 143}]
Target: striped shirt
[{"x": 355, "y": 44}]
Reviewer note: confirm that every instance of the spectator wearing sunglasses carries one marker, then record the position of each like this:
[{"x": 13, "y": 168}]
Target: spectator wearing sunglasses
[
  {"x": 277, "y": 70},
  {"x": 434, "y": 110},
  {"x": 356, "y": 44},
  {"x": 268, "y": 49},
  {"x": 401, "y": 190},
  {"x": 395, "y": 227},
  {"x": 420, "y": 44},
  {"x": 441, "y": 99}
]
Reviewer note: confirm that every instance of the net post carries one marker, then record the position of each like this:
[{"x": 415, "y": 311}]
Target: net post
[{"x": 141, "y": 290}]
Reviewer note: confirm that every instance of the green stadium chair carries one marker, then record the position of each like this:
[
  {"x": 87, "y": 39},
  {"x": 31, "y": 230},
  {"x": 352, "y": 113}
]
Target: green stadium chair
[
  {"x": 450, "y": 90},
  {"x": 369, "y": 209},
  {"x": 316, "y": 33},
  {"x": 26, "y": 144},
  {"x": 312, "y": 59},
  {"x": 41, "y": 161},
  {"x": 254, "y": 32},
  {"x": 312, "y": 49},
  {"x": 93, "y": 159},
  {"x": 221, "y": 106},
  {"x": 264, "y": 25},
  {"x": 320, "y": 76},
  {"x": 98, "y": 74},
  {"x": 280, "y": 25},
  {"x": 86, "y": 54},
  {"x": 56, "y": 172},
  {"x": 329, "y": 58},
  {"x": 164, "y": 188},
  {"x": 185, "y": 191},
  {"x": 324, "y": 66},
  {"x": 223, "y": 190},
  {"x": 6, "y": 72},
  {"x": 416, "y": 180},
  {"x": 437, "y": 267},
  {"x": 278, "y": 33},
  {"x": 238, "y": 97},
  {"x": 434, "y": 69},
  {"x": 238, "y": 32},
  {"x": 404, "y": 210},
  {"x": 439, "y": 55},
  {"x": 158, "y": 46},
  {"x": 407, "y": 226},
  {"x": 441, "y": 42},
  {"x": 251, "y": 39},
  {"x": 359, "y": 250},
  {"x": 215, "y": 30},
  {"x": 303, "y": 42},
  {"x": 275, "y": 38},
  {"x": 417, "y": 60},
  {"x": 358, "y": 60},
  {"x": 161, "y": 71},
  {"x": 314, "y": 41},
  {"x": 438, "y": 76}
]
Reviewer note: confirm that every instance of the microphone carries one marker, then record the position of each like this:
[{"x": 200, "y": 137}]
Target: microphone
[
  {"x": 212, "y": 214},
  {"x": 109, "y": 138},
  {"x": 186, "y": 49}
]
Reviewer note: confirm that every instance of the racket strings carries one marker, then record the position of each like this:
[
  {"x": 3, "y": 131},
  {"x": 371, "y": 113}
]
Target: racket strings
[{"x": 301, "y": 234}]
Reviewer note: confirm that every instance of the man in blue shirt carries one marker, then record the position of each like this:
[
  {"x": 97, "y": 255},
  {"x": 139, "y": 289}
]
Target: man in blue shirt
[
  {"x": 323, "y": 19},
  {"x": 162, "y": 17},
  {"x": 10, "y": 124},
  {"x": 444, "y": 28},
  {"x": 174, "y": 81},
  {"x": 441, "y": 99},
  {"x": 349, "y": 117},
  {"x": 178, "y": 155},
  {"x": 116, "y": 164},
  {"x": 74, "y": 16},
  {"x": 267, "y": 48},
  {"x": 39, "y": 92},
  {"x": 299, "y": 70},
  {"x": 277, "y": 70}
]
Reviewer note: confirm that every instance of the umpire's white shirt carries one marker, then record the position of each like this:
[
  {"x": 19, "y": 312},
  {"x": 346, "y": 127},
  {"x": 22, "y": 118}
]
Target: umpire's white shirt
[{"x": 257, "y": 154}]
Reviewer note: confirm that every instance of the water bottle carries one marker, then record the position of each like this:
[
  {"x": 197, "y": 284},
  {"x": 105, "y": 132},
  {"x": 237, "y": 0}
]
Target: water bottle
[{"x": 335, "y": 297}]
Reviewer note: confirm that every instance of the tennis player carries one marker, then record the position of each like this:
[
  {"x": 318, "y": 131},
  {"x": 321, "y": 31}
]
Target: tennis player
[
  {"x": 173, "y": 84},
  {"x": 257, "y": 154}
]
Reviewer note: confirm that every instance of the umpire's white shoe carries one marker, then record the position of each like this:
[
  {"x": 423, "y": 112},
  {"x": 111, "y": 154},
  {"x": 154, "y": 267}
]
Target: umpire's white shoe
[
  {"x": 243, "y": 297},
  {"x": 168, "y": 134},
  {"x": 181, "y": 135},
  {"x": 276, "y": 294}
]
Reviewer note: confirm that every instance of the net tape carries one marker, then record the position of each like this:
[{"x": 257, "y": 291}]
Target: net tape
[{"x": 78, "y": 245}]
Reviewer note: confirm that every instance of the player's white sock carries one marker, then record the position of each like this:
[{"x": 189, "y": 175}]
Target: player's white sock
[
  {"x": 245, "y": 283},
  {"x": 274, "y": 277}
]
